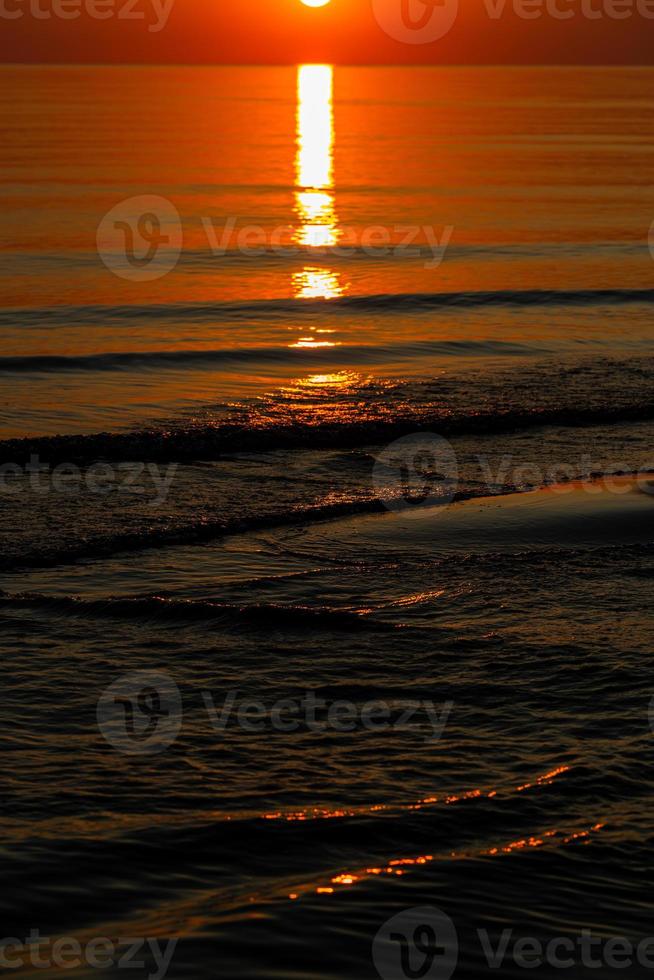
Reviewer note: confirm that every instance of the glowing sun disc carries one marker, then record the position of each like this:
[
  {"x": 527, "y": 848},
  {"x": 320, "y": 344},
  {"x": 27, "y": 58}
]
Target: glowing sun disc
[{"x": 315, "y": 3}]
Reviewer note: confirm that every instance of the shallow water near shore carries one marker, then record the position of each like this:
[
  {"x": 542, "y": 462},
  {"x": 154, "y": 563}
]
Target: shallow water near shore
[{"x": 525, "y": 773}]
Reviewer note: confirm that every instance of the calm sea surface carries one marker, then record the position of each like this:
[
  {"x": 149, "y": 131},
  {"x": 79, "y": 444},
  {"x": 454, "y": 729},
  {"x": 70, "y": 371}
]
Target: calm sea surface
[{"x": 225, "y": 295}]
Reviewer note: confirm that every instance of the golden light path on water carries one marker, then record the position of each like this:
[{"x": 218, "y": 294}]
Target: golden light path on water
[
  {"x": 401, "y": 865},
  {"x": 314, "y": 179},
  {"x": 316, "y": 283}
]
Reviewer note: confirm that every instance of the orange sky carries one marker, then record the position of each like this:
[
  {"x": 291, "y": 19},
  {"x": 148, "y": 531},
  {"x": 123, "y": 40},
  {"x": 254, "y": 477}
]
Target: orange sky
[{"x": 344, "y": 31}]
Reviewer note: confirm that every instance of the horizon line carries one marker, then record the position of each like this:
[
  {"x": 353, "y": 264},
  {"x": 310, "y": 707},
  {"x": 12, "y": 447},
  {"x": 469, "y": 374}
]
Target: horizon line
[{"x": 335, "y": 64}]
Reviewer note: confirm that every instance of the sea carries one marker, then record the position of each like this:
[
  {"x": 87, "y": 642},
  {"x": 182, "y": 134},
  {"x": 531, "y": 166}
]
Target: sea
[{"x": 325, "y": 609}]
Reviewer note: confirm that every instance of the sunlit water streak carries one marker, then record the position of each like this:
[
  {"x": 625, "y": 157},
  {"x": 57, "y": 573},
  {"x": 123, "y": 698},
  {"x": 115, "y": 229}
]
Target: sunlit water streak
[{"x": 314, "y": 197}]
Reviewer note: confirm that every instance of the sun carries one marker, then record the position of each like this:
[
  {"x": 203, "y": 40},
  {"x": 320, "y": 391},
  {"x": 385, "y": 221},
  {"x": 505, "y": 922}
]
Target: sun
[{"x": 315, "y": 3}]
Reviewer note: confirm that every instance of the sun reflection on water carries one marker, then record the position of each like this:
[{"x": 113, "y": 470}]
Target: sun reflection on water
[
  {"x": 398, "y": 866},
  {"x": 315, "y": 115},
  {"x": 314, "y": 283},
  {"x": 318, "y": 813},
  {"x": 311, "y": 342},
  {"x": 339, "y": 379},
  {"x": 314, "y": 178}
]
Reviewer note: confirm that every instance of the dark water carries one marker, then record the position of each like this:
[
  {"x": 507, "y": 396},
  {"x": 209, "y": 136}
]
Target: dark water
[{"x": 210, "y": 511}]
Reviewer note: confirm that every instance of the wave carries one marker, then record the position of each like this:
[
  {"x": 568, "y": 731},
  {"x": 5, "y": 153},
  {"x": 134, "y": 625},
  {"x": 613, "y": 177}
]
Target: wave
[
  {"x": 148, "y": 360},
  {"x": 190, "y": 443},
  {"x": 378, "y": 304},
  {"x": 195, "y": 532},
  {"x": 99, "y": 547},
  {"x": 257, "y": 615},
  {"x": 12, "y": 256}
]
